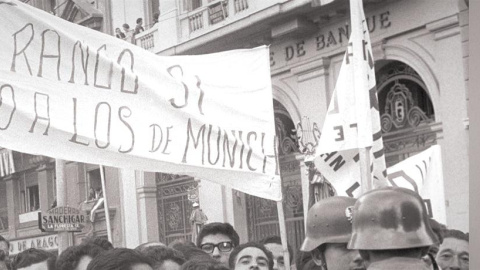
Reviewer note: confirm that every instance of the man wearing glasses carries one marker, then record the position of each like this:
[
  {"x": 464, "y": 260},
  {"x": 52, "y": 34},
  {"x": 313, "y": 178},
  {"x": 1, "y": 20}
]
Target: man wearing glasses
[{"x": 218, "y": 240}]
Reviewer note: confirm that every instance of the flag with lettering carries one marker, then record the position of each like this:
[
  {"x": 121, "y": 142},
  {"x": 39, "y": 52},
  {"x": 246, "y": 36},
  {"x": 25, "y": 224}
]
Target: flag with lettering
[
  {"x": 72, "y": 93},
  {"x": 352, "y": 120},
  {"x": 423, "y": 173}
]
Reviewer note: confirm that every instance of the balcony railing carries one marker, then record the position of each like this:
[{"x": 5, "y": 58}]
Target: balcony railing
[
  {"x": 177, "y": 26},
  {"x": 148, "y": 39},
  {"x": 240, "y": 5}
]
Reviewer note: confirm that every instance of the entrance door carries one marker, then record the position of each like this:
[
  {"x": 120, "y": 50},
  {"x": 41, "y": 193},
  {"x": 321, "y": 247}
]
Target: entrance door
[
  {"x": 262, "y": 215},
  {"x": 174, "y": 208}
]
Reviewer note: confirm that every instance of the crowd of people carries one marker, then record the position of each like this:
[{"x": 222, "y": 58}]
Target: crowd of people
[
  {"x": 129, "y": 34},
  {"x": 386, "y": 228}
]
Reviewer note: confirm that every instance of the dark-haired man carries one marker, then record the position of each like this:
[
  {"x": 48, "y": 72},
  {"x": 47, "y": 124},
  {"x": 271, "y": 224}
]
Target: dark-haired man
[
  {"x": 218, "y": 239},
  {"x": 164, "y": 258},
  {"x": 78, "y": 257},
  {"x": 453, "y": 252},
  {"x": 120, "y": 259},
  {"x": 34, "y": 259}
]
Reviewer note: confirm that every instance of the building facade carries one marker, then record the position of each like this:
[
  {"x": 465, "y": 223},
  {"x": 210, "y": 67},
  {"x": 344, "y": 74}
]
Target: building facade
[{"x": 421, "y": 60}]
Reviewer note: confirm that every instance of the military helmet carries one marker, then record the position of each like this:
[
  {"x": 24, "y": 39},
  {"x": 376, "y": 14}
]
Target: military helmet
[
  {"x": 328, "y": 222},
  {"x": 390, "y": 218}
]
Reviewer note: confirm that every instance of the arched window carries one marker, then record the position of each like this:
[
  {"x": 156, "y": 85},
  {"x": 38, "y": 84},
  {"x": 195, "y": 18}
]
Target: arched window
[{"x": 406, "y": 112}]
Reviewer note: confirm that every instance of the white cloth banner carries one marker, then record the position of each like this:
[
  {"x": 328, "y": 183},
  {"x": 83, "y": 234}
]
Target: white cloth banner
[
  {"x": 423, "y": 174},
  {"x": 73, "y": 93},
  {"x": 352, "y": 119}
]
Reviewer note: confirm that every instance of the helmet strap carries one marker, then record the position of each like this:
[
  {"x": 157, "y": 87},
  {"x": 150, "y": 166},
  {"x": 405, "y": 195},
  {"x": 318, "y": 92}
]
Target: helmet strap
[{"x": 318, "y": 257}]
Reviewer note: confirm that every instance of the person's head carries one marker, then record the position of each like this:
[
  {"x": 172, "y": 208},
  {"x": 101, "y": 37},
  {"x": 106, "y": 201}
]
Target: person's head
[
  {"x": 250, "y": 255},
  {"x": 329, "y": 229},
  {"x": 164, "y": 258},
  {"x": 77, "y": 257},
  {"x": 139, "y": 21},
  {"x": 99, "y": 241},
  {"x": 388, "y": 221},
  {"x": 118, "y": 31},
  {"x": 218, "y": 239},
  {"x": 34, "y": 259},
  {"x": 454, "y": 253},
  {"x": 120, "y": 259},
  {"x": 4, "y": 247},
  {"x": 274, "y": 245},
  {"x": 142, "y": 247},
  {"x": 203, "y": 264},
  {"x": 190, "y": 252},
  {"x": 126, "y": 27}
]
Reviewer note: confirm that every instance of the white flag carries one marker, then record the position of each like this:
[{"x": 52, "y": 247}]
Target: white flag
[
  {"x": 352, "y": 121},
  {"x": 423, "y": 174}
]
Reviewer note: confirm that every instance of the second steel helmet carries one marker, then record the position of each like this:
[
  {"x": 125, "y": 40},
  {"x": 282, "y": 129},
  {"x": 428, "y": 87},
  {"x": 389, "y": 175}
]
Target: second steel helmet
[
  {"x": 390, "y": 218},
  {"x": 328, "y": 222}
]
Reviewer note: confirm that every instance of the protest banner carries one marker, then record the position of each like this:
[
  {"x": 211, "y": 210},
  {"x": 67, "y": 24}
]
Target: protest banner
[
  {"x": 73, "y": 93},
  {"x": 352, "y": 121},
  {"x": 423, "y": 173}
]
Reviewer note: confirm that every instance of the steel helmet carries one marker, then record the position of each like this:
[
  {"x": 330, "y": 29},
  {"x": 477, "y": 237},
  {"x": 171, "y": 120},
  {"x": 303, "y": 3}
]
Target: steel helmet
[
  {"x": 390, "y": 218},
  {"x": 328, "y": 222}
]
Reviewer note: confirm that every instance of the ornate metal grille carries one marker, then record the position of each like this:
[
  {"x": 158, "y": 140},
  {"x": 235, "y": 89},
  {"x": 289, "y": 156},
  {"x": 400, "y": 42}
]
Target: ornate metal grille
[
  {"x": 406, "y": 111},
  {"x": 174, "y": 208},
  {"x": 262, "y": 216}
]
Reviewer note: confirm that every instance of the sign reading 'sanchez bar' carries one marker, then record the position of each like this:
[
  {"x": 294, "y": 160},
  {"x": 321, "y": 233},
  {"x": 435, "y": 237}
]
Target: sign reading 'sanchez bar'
[{"x": 62, "y": 219}]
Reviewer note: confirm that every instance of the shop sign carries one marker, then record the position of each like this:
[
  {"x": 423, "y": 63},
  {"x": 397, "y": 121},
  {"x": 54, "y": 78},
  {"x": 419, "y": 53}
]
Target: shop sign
[
  {"x": 62, "y": 219},
  {"x": 47, "y": 242}
]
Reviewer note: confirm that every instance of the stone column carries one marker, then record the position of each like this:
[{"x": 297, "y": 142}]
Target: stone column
[
  {"x": 13, "y": 199},
  {"x": 147, "y": 206},
  {"x": 129, "y": 208}
]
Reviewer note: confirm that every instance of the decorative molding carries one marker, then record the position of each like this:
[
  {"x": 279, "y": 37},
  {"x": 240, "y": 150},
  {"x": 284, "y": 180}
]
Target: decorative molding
[
  {"x": 444, "y": 28},
  {"x": 442, "y": 24}
]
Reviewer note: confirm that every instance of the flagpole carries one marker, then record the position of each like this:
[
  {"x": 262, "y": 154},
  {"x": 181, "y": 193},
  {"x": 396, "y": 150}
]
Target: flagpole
[
  {"x": 360, "y": 96},
  {"x": 105, "y": 204},
  {"x": 283, "y": 234},
  {"x": 281, "y": 216},
  {"x": 61, "y": 191}
]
